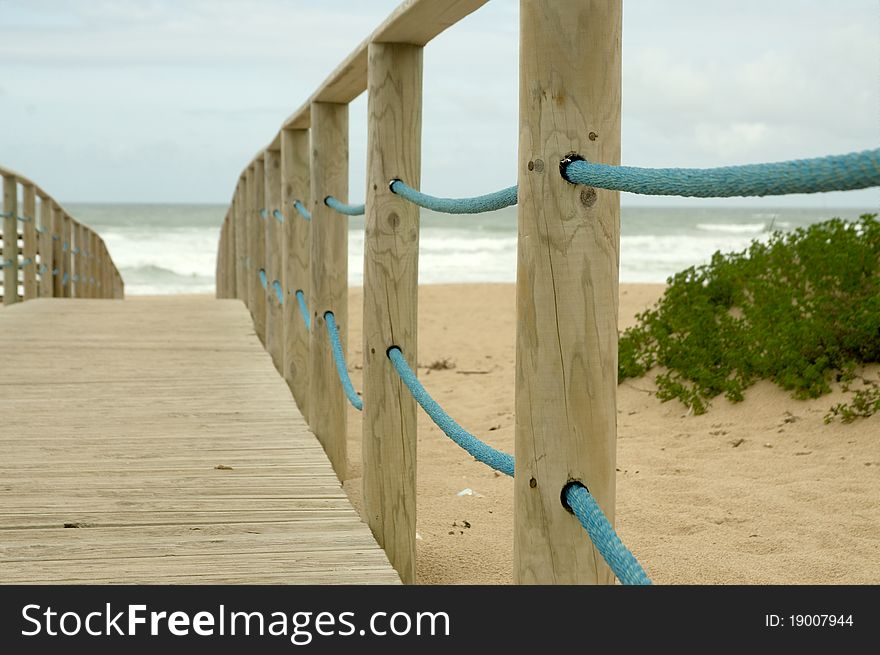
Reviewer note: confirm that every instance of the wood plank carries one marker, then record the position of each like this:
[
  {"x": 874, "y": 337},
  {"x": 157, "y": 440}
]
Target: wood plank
[
  {"x": 567, "y": 286},
  {"x": 415, "y": 22},
  {"x": 391, "y": 283},
  {"x": 174, "y": 466}
]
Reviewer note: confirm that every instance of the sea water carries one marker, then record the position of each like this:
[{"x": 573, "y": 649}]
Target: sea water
[{"x": 172, "y": 248}]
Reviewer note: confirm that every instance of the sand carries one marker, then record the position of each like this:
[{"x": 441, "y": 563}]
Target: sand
[{"x": 750, "y": 493}]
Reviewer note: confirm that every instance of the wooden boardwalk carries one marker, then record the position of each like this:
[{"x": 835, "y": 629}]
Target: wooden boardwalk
[{"x": 152, "y": 441}]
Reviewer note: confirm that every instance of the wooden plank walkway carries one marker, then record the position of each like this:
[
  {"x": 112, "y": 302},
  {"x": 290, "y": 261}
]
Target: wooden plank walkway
[{"x": 159, "y": 432}]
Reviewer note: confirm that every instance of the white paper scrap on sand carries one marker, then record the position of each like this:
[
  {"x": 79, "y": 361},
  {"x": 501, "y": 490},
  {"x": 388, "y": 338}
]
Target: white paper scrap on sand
[{"x": 467, "y": 491}]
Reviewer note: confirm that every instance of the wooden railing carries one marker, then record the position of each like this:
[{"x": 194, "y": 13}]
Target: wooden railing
[
  {"x": 46, "y": 252},
  {"x": 567, "y": 276}
]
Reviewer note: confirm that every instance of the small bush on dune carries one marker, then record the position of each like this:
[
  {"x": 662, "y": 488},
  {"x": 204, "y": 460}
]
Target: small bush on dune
[{"x": 802, "y": 309}]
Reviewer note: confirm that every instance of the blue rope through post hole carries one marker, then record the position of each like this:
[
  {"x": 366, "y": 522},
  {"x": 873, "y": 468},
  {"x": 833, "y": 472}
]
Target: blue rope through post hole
[
  {"x": 479, "y": 204},
  {"x": 482, "y": 452},
  {"x": 43, "y": 268},
  {"x": 303, "y": 309},
  {"x": 65, "y": 278},
  {"x": 65, "y": 246},
  {"x": 25, "y": 262},
  {"x": 263, "y": 214},
  {"x": 616, "y": 555},
  {"x": 302, "y": 210},
  {"x": 278, "y": 215},
  {"x": 343, "y": 208},
  {"x": 856, "y": 170},
  {"x": 56, "y": 271},
  {"x": 263, "y": 277},
  {"x": 23, "y": 219},
  {"x": 279, "y": 293},
  {"x": 339, "y": 358}
]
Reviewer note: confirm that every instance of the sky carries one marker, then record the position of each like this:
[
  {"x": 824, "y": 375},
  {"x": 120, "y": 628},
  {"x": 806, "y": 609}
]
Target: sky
[{"x": 167, "y": 100}]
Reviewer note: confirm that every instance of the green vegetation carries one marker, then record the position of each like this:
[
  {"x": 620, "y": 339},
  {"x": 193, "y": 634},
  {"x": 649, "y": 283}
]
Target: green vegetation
[{"x": 802, "y": 309}]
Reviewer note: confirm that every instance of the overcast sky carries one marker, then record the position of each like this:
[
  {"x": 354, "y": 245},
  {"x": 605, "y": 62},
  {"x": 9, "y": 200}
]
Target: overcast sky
[{"x": 165, "y": 101}]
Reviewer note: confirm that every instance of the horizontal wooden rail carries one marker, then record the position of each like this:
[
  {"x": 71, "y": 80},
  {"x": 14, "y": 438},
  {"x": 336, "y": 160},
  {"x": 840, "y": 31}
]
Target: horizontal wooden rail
[{"x": 58, "y": 256}]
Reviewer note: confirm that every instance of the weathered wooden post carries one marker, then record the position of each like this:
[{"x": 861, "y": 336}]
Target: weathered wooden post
[
  {"x": 29, "y": 241},
  {"x": 66, "y": 271},
  {"x": 239, "y": 200},
  {"x": 271, "y": 202},
  {"x": 257, "y": 230},
  {"x": 328, "y": 289},
  {"x": 79, "y": 258},
  {"x": 46, "y": 258},
  {"x": 253, "y": 267},
  {"x": 391, "y": 270},
  {"x": 229, "y": 265},
  {"x": 295, "y": 185},
  {"x": 567, "y": 278},
  {"x": 93, "y": 265},
  {"x": 10, "y": 240},
  {"x": 57, "y": 250}
]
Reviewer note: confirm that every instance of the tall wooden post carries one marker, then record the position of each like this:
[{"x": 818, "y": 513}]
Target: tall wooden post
[
  {"x": 257, "y": 230},
  {"x": 10, "y": 240},
  {"x": 391, "y": 271},
  {"x": 93, "y": 265},
  {"x": 66, "y": 272},
  {"x": 79, "y": 258},
  {"x": 272, "y": 201},
  {"x": 229, "y": 265},
  {"x": 47, "y": 262},
  {"x": 567, "y": 277},
  {"x": 241, "y": 241},
  {"x": 57, "y": 251},
  {"x": 29, "y": 241},
  {"x": 328, "y": 266},
  {"x": 295, "y": 185}
]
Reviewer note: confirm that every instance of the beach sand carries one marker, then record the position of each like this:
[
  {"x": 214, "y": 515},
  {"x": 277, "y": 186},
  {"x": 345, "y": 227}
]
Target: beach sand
[{"x": 751, "y": 493}]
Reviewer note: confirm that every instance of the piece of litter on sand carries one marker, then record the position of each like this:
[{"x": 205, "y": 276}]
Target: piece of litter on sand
[
  {"x": 418, "y": 537},
  {"x": 467, "y": 491}
]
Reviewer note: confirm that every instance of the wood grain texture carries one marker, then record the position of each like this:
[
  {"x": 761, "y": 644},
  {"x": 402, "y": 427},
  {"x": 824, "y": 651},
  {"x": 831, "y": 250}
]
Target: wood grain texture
[
  {"x": 258, "y": 252},
  {"x": 160, "y": 428},
  {"x": 295, "y": 185},
  {"x": 10, "y": 240},
  {"x": 391, "y": 271},
  {"x": 78, "y": 258},
  {"x": 45, "y": 245},
  {"x": 29, "y": 241},
  {"x": 328, "y": 274},
  {"x": 567, "y": 285},
  {"x": 252, "y": 266},
  {"x": 274, "y": 325},
  {"x": 94, "y": 275}
]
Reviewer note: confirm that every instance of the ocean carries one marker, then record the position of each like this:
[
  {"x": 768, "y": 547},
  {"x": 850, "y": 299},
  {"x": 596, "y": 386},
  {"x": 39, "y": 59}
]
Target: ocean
[{"x": 164, "y": 249}]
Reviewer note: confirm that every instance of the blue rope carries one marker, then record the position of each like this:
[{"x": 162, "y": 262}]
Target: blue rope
[
  {"x": 479, "y": 204},
  {"x": 856, "y": 170},
  {"x": 303, "y": 211},
  {"x": 303, "y": 309},
  {"x": 41, "y": 230},
  {"x": 616, "y": 555},
  {"x": 24, "y": 219},
  {"x": 482, "y": 452},
  {"x": 343, "y": 208},
  {"x": 43, "y": 268},
  {"x": 6, "y": 263},
  {"x": 65, "y": 278},
  {"x": 6, "y": 214},
  {"x": 25, "y": 262},
  {"x": 56, "y": 271},
  {"x": 65, "y": 247},
  {"x": 55, "y": 237},
  {"x": 263, "y": 277},
  {"x": 279, "y": 293},
  {"x": 263, "y": 214},
  {"x": 339, "y": 358},
  {"x": 75, "y": 251},
  {"x": 278, "y": 216}
]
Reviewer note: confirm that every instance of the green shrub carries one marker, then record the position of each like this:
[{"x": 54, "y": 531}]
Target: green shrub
[{"x": 800, "y": 310}]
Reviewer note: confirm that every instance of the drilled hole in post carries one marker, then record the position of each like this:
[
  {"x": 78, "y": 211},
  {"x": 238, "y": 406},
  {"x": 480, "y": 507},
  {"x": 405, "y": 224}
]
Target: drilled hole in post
[{"x": 563, "y": 496}]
